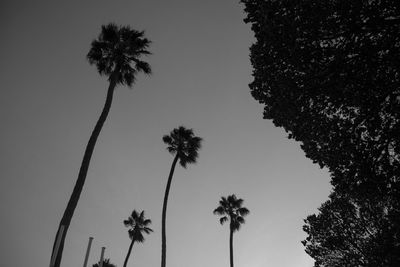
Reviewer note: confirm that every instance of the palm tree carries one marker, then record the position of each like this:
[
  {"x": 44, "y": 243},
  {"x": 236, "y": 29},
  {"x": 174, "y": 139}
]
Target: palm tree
[
  {"x": 116, "y": 54},
  {"x": 138, "y": 225},
  {"x": 231, "y": 208},
  {"x": 185, "y": 146},
  {"x": 106, "y": 263}
]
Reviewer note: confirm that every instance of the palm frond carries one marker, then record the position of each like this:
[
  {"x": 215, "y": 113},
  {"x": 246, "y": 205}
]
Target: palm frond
[
  {"x": 222, "y": 220},
  {"x": 146, "y": 222},
  {"x": 128, "y": 222},
  {"x": 143, "y": 67},
  {"x": 240, "y": 220},
  {"x": 242, "y": 211},
  {"x": 167, "y": 139},
  {"x": 219, "y": 211},
  {"x": 235, "y": 226}
]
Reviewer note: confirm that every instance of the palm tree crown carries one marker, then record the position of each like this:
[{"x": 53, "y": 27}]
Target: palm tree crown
[
  {"x": 231, "y": 207},
  {"x": 184, "y": 143},
  {"x": 106, "y": 263},
  {"x": 117, "y": 51},
  {"x": 138, "y": 225}
]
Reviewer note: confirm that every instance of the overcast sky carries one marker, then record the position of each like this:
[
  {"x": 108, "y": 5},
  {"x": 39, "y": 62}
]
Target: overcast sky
[{"x": 51, "y": 98}]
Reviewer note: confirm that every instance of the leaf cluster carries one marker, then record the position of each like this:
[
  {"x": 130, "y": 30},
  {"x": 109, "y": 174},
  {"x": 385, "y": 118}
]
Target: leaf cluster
[
  {"x": 138, "y": 224},
  {"x": 184, "y": 143},
  {"x": 117, "y": 52},
  {"x": 230, "y": 208}
]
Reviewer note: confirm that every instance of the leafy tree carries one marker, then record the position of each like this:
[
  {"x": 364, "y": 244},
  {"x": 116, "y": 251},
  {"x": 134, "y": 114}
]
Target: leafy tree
[
  {"x": 230, "y": 208},
  {"x": 328, "y": 73},
  {"x": 345, "y": 233},
  {"x": 106, "y": 263},
  {"x": 116, "y": 54},
  {"x": 182, "y": 143},
  {"x": 138, "y": 225}
]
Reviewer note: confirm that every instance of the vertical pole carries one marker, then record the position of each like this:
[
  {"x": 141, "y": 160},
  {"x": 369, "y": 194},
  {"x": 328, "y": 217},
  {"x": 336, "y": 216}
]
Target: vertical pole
[
  {"x": 102, "y": 256},
  {"x": 88, "y": 251},
  {"x": 55, "y": 252}
]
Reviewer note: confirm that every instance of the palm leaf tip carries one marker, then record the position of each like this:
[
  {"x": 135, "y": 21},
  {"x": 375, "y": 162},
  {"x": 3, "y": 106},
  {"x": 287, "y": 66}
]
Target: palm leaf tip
[
  {"x": 243, "y": 211},
  {"x": 222, "y": 220},
  {"x": 240, "y": 220},
  {"x": 219, "y": 211}
]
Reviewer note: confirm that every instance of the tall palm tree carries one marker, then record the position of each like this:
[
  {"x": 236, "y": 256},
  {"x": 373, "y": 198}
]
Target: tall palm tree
[
  {"x": 182, "y": 143},
  {"x": 116, "y": 54},
  {"x": 138, "y": 225},
  {"x": 230, "y": 208}
]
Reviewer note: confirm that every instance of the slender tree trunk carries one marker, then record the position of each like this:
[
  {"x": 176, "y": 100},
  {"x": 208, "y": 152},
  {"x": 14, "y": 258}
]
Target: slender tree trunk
[
  {"x": 73, "y": 201},
  {"x": 231, "y": 247},
  {"x": 129, "y": 253},
  {"x": 164, "y": 213}
]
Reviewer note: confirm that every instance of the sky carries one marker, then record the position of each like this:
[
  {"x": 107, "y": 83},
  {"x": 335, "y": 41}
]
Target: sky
[{"x": 51, "y": 98}]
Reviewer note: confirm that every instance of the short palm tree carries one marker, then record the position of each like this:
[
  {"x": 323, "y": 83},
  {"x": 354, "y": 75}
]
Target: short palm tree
[
  {"x": 230, "y": 208},
  {"x": 106, "y": 263},
  {"x": 116, "y": 54},
  {"x": 182, "y": 143},
  {"x": 138, "y": 225}
]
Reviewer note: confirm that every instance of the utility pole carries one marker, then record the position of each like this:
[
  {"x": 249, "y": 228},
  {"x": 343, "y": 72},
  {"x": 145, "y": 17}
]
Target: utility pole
[
  {"x": 102, "y": 256},
  {"x": 88, "y": 251}
]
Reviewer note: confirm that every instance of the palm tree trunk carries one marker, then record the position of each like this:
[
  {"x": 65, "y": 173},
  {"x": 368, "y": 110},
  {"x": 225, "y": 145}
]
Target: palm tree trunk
[
  {"x": 129, "y": 253},
  {"x": 73, "y": 201},
  {"x": 164, "y": 213},
  {"x": 231, "y": 247}
]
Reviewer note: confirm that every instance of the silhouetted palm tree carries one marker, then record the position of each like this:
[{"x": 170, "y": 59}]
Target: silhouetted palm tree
[
  {"x": 116, "y": 54},
  {"x": 231, "y": 209},
  {"x": 185, "y": 145},
  {"x": 138, "y": 225},
  {"x": 106, "y": 263}
]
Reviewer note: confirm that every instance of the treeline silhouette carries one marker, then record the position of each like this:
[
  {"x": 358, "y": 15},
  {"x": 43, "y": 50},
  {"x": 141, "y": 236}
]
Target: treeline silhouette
[
  {"x": 328, "y": 73},
  {"x": 117, "y": 54}
]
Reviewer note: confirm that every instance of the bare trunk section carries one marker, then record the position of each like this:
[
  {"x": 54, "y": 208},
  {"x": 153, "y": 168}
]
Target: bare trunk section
[
  {"x": 73, "y": 201},
  {"x": 129, "y": 253},
  {"x": 231, "y": 246},
  {"x": 164, "y": 213}
]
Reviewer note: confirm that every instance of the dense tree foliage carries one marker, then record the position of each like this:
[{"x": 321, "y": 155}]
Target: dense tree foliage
[
  {"x": 328, "y": 73},
  {"x": 345, "y": 233}
]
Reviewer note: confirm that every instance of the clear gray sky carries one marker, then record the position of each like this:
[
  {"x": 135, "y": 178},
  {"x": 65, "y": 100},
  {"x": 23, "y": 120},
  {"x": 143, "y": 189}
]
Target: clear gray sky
[{"x": 51, "y": 98}]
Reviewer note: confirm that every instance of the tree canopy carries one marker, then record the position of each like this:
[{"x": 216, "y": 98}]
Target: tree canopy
[
  {"x": 118, "y": 50},
  {"x": 230, "y": 208},
  {"x": 328, "y": 73},
  {"x": 138, "y": 224},
  {"x": 184, "y": 143}
]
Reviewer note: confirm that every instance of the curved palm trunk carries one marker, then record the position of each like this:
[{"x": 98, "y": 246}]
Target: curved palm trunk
[
  {"x": 73, "y": 201},
  {"x": 129, "y": 253},
  {"x": 164, "y": 213},
  {"x": 231, "y": 247}
]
